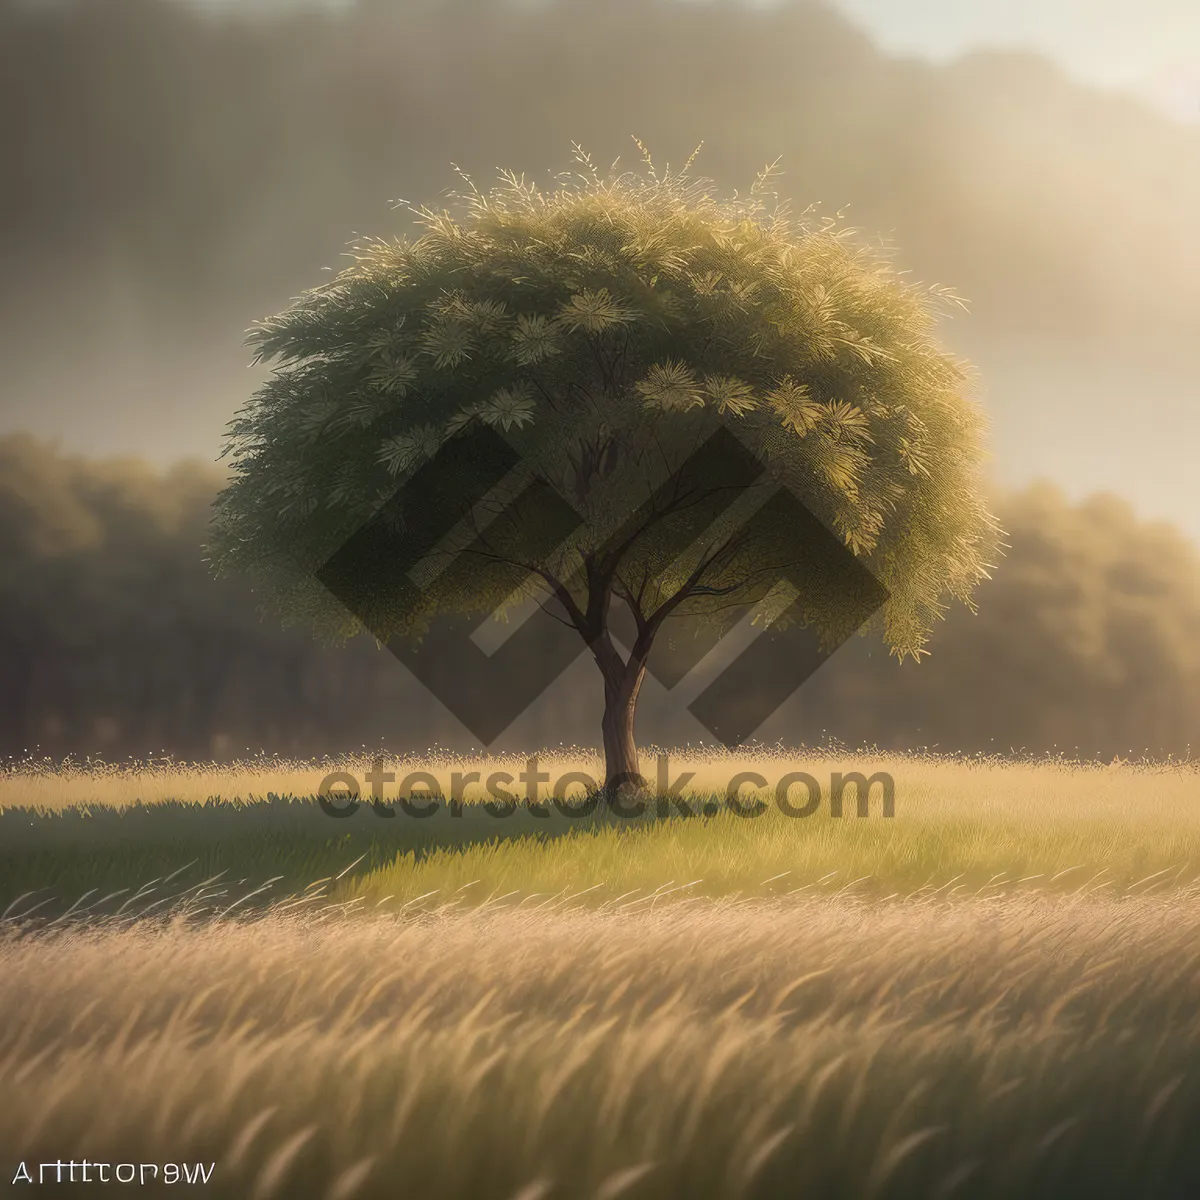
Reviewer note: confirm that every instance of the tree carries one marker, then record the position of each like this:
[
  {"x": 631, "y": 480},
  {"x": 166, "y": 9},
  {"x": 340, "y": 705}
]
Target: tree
[{"x": 609, "y": 329}]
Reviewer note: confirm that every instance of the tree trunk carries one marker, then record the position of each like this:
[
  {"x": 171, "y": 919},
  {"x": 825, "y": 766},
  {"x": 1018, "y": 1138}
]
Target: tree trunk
[{"x": 620, "y": 748}]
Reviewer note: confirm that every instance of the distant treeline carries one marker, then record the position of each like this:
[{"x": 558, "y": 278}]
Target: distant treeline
[{"x": 115, "y": 640}]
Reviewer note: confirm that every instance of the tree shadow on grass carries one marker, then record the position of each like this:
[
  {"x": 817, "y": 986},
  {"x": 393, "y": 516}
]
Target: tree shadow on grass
[{"x": 96, "y": 858}]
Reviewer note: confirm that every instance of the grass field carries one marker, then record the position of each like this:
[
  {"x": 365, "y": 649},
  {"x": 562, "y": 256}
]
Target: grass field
[{"x": 994, "y": 992}]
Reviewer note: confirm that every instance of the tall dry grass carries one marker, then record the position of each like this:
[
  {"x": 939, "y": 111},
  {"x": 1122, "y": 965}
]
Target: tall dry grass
[
  {"x": 1028, "y": 1046},
  {"x": 994, "y": 993}
]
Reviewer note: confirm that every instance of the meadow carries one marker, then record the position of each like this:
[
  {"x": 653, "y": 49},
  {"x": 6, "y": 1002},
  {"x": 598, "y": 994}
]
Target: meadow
[{"x": 993, "y": 992}]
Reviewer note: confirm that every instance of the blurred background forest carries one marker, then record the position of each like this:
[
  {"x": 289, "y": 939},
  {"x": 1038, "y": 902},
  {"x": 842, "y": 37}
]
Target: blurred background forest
[
  {"x": 172, "y": 173},
  {"x": 116, "y": 641}
]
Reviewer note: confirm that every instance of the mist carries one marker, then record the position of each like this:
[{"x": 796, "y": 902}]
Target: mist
[{"x": 174, "y": 175}]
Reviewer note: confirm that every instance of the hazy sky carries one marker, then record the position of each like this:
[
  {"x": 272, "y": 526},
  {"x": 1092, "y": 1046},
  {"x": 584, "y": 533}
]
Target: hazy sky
[
  {"x": 1148, "y": 46},
  {"x": 164, "y": 209}
]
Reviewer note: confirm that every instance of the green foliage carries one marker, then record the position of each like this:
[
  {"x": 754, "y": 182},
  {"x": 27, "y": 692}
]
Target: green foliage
[
  {"x": 605, "y": 327},
  {"x": 116, "y": 640}
]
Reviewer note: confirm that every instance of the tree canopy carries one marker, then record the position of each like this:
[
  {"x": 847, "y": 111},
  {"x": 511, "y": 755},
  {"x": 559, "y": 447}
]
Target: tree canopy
[{"x": 605, "y": 328}]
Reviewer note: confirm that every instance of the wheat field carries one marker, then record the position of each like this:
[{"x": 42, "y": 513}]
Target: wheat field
[{"x": 993, "y": 993}]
